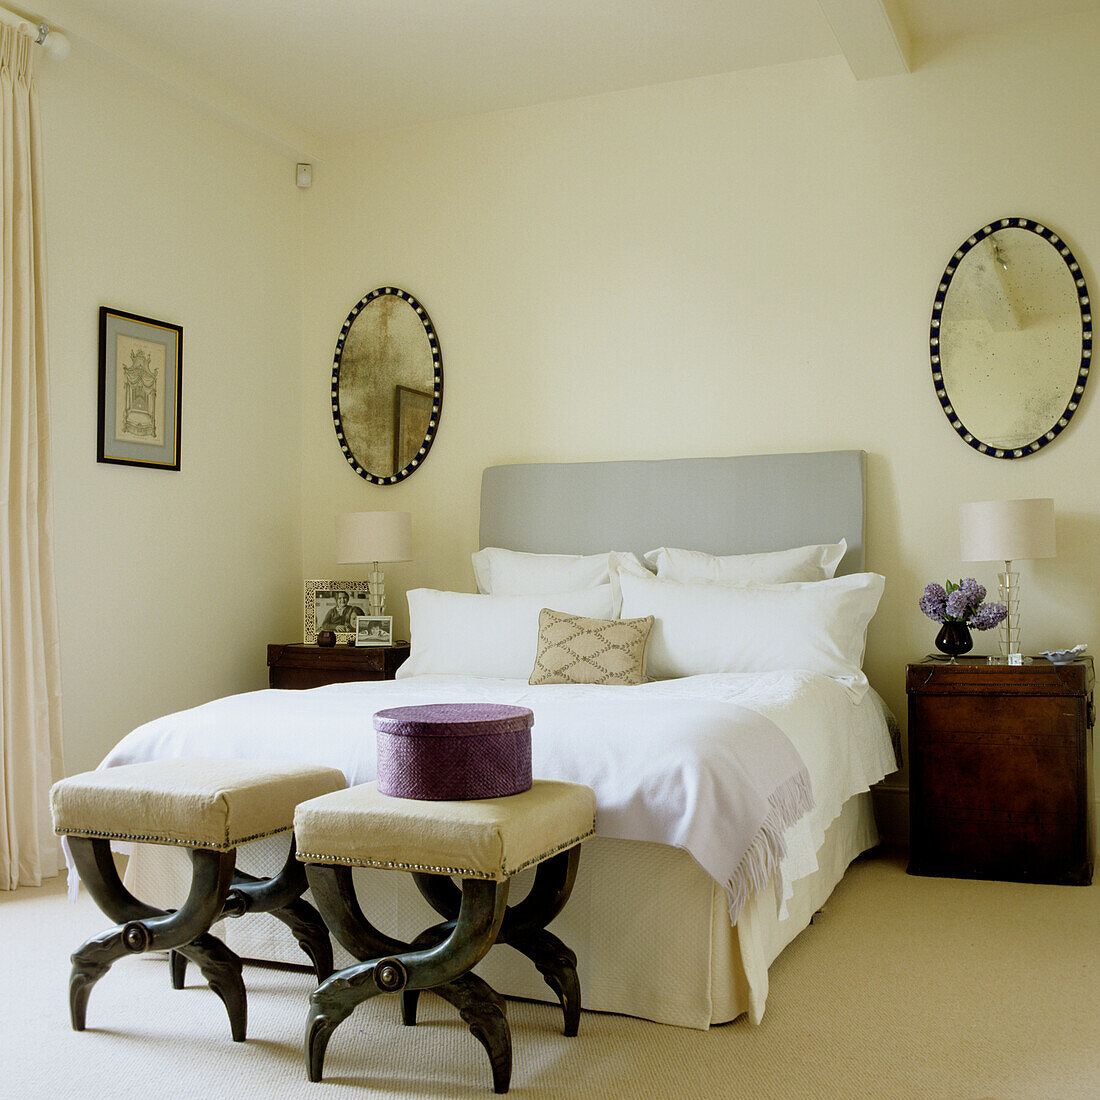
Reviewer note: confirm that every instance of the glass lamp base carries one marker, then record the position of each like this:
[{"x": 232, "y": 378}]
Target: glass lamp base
[
  {"x": 377, "y": 586},
  {"x": 1008, "y": 630}
]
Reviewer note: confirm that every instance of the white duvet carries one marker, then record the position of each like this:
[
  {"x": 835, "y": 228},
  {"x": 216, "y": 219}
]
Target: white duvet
[{"x": 745, "y": 772}]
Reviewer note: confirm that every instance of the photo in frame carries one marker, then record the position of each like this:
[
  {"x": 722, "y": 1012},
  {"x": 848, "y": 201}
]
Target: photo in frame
[
  {"x": 374, "y": 630},
  {"x": 333, "y": 605},
  {"x": 140, "y": 388}
]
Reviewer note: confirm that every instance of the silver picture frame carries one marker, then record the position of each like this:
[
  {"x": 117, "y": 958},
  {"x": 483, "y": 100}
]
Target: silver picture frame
[
  {"x": 335, "y": 606},
  {"x": 376, "y": 630}
]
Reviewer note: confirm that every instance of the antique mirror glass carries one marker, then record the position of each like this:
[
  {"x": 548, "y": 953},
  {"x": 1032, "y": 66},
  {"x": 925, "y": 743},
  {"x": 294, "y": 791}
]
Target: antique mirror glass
[
  {"x": 1011, "y": 338},
  {"x": 387, "y": 386}
]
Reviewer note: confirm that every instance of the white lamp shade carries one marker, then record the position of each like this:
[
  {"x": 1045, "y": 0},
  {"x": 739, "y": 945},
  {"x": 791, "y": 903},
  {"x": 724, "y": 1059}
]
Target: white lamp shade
[
  {"x": 373, "y": 536},
  {"x": 1006, "y": 530}
]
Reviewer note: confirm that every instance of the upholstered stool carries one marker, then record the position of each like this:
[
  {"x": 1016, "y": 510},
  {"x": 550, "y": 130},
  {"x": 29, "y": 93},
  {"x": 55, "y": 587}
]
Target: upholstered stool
[
  {"x": 209, "y": 807},
  {"x": 482, "y": 842}
]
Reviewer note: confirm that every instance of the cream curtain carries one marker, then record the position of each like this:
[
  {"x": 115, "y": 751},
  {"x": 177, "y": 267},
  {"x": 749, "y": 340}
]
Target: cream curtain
[{"x": 30, "y": 674}]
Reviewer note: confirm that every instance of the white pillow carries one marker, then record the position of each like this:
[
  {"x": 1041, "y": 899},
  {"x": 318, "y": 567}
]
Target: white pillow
[
  {"x": 804, "y": 563},
  {"x": 628, "y": 563},
  {"x": 819, "y": 626},
  {"x": 511, "y": 573},
  {"x": 463, "y": 634}
]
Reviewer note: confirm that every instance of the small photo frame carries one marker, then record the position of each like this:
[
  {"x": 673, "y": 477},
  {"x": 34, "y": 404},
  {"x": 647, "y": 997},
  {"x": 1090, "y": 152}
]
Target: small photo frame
[
  {"x": 140, "y": 387},
  {"x": 374, "y": 630},
  {"x": 335, "y": 606}
]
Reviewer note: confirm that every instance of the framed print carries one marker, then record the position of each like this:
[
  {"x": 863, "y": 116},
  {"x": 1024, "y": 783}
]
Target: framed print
[
  {"x": 333, "y": 605},
  {"x": 374, "y": 630},
  {"x": 140, "y": 385}
]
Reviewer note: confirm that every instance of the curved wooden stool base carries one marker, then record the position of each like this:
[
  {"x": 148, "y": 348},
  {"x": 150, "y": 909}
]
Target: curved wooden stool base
[
  {"x": 281, "y": 897},
  {"x": 440, "y": 958},
  {"x": 208, "y": 806},
  {"x": 217, "y": 890},
  {"x": 438, "y": 962},
  {"x": 524, "y": 926},
  {"x": 463, "y": 855}
]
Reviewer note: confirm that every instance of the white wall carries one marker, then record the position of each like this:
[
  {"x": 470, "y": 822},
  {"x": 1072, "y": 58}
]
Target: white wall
[
  {"x": 729, "y": 265},
  {"x": 170, "y": 584}
]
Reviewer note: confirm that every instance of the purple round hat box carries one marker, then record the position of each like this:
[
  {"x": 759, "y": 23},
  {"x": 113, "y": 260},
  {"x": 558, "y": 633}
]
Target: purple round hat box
[{"x": 448, "y": 751}]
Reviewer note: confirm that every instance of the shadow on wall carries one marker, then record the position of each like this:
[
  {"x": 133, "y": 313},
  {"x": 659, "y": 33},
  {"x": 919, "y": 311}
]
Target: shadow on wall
[{"x": 1064, "y": 588}]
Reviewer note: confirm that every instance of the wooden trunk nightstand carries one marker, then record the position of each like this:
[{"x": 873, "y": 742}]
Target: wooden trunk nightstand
[
  {"x": 309, "y": 666},
  {"x": 1000, "y": 770}
]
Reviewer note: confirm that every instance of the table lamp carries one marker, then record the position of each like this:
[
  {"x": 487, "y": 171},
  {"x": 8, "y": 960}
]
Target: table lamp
[
  {"x": 374, "y": 537},
  {"x": 1007, "y": 530}
]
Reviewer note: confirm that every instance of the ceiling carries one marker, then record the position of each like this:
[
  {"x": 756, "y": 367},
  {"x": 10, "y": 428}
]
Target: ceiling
[{"x": 305, "y": 72}]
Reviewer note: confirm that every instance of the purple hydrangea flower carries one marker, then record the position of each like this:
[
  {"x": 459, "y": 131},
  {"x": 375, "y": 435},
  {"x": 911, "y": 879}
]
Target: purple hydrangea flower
[
  {"x": 958, "y": 606},
  {"x": 975, "y": 592},
  {"x": 988, "y": 616},
  {"x": 961, "y": 603},
  {"x": 933, "y": 603}
]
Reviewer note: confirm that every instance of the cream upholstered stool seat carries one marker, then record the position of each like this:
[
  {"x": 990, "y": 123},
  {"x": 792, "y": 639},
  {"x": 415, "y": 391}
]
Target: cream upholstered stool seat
[
  {"x": 483, "y": 842},
  {"x": 209, "y": 807}
]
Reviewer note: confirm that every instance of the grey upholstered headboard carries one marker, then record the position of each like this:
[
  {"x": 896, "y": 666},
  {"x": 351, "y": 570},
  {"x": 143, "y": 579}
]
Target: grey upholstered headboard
[{"x": 740, "y": 505}]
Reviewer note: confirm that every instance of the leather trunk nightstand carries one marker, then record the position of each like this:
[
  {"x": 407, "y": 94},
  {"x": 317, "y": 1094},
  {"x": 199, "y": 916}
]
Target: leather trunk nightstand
[
  {"x": 1000, "y": 770},
  {"x": 308, "y": 666}
]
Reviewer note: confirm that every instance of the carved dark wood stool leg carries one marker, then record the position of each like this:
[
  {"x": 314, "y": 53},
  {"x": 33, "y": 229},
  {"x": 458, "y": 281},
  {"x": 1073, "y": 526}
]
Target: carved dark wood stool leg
[
  {"x": 281, "y": 896},
  {"x": 524, "y": 927},
  {"x": 144, "y": 928},
  {"x": 439, "y": 960},
  {"x": 480, "y": 842},
  {"x": 209, "y": 806},
  {"x": 481, "y": 1007},
  {"x": 485, "y": 1013},
  {"x": 217, "y": 890}
]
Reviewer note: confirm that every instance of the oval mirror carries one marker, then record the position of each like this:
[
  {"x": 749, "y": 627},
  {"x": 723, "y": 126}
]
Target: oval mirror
[
  {"x": 1011, "y": 338},
  {"x": 387, "y": 386}
]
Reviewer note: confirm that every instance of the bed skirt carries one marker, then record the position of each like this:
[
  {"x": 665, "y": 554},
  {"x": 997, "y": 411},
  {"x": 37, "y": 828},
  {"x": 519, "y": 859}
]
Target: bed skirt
[{"x": 650, "y": 928}]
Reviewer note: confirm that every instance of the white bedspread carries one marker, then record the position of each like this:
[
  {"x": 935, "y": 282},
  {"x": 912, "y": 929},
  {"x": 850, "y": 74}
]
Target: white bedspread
[{"x": 745, "y": 772}]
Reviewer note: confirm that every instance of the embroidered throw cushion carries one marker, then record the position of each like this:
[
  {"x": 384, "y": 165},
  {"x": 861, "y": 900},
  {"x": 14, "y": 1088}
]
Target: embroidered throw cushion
[{"x": 576, "y": 650}]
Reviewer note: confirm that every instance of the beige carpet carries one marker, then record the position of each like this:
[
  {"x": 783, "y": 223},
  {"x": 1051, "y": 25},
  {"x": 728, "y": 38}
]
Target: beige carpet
[{"x": 903, "y": 987}]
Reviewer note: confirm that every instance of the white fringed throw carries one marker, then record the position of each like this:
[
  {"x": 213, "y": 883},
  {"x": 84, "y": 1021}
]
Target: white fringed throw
[{"x": 695, "y": 772}]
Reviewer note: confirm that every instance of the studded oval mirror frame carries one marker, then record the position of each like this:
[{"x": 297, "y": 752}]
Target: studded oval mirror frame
[
  {"x": 437, "y": 387},
  {"x": 1086, "y": 341}
]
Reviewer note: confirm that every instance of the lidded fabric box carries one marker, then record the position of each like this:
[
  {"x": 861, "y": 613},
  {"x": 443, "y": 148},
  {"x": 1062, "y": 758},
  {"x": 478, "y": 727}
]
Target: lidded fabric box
[{"x": 447, "y": 751}]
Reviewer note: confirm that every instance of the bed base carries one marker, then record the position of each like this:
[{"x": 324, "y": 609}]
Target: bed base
[{"x": 650, "y": 928}]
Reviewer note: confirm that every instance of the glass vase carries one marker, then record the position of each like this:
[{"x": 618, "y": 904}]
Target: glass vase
[{"x": 954, "y": 639}]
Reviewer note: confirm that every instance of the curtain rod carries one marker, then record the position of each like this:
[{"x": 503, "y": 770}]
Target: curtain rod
[{"x": 53, "y": 42}]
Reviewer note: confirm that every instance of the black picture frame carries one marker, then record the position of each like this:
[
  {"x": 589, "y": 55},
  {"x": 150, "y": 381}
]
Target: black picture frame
[{"x": 140, "y": 390}]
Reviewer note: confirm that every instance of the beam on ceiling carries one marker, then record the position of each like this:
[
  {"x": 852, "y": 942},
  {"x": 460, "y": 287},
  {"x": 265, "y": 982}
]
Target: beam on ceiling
[
  {"x": 181, "y": 81},
  {"x": 871, "y": 34}
]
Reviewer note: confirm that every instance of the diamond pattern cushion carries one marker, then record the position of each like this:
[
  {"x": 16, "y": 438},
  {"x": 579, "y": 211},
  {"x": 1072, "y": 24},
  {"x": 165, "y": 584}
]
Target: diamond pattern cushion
[
  {"x": 197, "y": 803},
  {"x": 489, "y": 838},
  {"x": 575, "y": 650}
]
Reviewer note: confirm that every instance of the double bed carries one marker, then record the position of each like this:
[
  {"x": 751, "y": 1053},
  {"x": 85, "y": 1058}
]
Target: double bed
[{"x": 676, "y": 914}]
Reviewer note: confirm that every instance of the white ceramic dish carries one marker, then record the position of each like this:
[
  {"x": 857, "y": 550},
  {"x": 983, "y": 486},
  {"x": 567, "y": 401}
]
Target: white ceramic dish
[{"x": 1063, "y": 656}]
